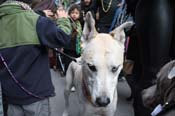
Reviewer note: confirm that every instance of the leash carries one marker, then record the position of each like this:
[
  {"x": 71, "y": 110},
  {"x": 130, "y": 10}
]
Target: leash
[
  {"x": 16, "y": 81},
  {"x": 70, "y": 57},
  {"x": 1, "y": 102},
  {"x": 19, "y": 84},
  {"x": 86, "y": 91}
]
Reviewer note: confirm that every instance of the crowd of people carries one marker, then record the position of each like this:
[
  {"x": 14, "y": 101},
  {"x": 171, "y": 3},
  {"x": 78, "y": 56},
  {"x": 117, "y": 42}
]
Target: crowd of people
[{"x": 30, "y": 29}]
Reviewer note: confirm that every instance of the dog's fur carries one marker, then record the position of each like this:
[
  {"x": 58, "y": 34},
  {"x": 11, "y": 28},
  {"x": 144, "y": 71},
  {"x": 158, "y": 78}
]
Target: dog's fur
[
  {"x": 95, "y": 74},
  {"x": 163, "y": 91}
]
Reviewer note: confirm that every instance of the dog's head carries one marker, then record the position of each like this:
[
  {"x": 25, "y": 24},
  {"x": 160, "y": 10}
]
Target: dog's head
[
  {"x": 164, "y": 90},
  {"x": 102, "y": 59}
]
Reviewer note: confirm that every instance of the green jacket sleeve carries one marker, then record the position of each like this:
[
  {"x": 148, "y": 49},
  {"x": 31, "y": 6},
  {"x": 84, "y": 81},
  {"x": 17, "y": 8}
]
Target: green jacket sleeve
[{"x": 65, "y": 25}]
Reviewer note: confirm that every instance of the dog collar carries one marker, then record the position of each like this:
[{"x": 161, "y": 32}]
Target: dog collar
[{"x": 86, "y": 91}]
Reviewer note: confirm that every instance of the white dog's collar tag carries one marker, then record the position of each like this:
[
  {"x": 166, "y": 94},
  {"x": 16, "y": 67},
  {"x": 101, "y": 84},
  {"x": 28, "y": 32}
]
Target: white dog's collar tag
[
  {"x": 157, "y": 110},
  {"x": 171, "y": 74}
]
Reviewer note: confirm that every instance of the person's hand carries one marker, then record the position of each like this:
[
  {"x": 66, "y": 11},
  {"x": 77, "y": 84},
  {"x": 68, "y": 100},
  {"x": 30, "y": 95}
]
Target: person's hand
[
  {"x": 61, "y": 13},
  {"x": 48, "y": 13}
]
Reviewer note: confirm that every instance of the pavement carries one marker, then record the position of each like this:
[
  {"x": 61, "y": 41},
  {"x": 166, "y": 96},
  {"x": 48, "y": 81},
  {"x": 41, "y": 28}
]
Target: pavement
[{"x": 124, "y": 108}]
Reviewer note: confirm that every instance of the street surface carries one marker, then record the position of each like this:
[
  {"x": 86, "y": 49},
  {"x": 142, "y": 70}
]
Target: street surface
[{"x": 124, "y": 107}]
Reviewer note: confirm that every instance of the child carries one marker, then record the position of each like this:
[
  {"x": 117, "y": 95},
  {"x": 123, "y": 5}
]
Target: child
[{"x": 73, "y": 49}]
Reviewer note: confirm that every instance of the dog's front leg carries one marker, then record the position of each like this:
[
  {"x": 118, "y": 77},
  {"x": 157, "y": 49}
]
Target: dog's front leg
[
  {"x": 66, "y": 97},
  {"x": 82, "y": 110},
  {"x": 69, "y": 83}
]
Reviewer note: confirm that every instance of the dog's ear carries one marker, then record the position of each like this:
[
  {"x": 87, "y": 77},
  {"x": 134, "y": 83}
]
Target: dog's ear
[
  {"x": 171, "y": 74},
  {"x": 118, "y": 33},
  {"x": 89, "y": 30}
]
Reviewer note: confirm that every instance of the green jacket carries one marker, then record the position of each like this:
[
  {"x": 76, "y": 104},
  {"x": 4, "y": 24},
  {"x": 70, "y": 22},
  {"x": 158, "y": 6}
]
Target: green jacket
[
  {"x": 28, "y": 28},
  {"x": 67, "y": 26}
]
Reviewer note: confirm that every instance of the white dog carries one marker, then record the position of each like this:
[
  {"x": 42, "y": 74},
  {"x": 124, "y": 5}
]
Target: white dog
[{"x": 95, "y": 74}]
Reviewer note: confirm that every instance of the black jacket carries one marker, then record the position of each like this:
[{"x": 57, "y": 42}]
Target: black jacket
[{"x": 30, "y": 65}]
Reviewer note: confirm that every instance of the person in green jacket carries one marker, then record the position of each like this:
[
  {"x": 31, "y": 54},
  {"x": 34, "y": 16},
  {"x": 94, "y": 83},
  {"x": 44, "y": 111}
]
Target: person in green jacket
[
  {"x": 24, "y": 64},
  {"x": 74, "y": 49}
]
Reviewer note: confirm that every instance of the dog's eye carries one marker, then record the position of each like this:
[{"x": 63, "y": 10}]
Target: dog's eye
[
  {"x": 114, "y": 69},
  {"x": 92, "y": 67}
]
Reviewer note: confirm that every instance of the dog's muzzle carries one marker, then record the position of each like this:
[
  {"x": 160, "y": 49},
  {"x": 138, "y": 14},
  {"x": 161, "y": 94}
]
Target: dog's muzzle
[{"x": 102, "y": 101}]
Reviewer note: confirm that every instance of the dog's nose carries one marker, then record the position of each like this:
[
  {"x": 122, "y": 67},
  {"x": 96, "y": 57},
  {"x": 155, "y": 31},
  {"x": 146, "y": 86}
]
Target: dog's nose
[{"x": 102, "y": 101}]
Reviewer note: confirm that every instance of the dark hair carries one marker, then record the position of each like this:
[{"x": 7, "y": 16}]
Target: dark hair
[
  {"x": 25, "y": 1},
  {"x": 83, "y": 3},
  {"x": 44, "y": 4},
  {"x": 73, "y": 7}
]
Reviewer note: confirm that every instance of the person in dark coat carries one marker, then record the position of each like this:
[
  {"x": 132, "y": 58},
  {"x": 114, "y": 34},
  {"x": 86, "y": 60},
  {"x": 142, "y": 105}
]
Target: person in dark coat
[
  {"x": 155, "y": 32},
  {"x": 105, "y": 10},
  {"x": 25, "y": 73},
  {"x": 86, "y": 5}
]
